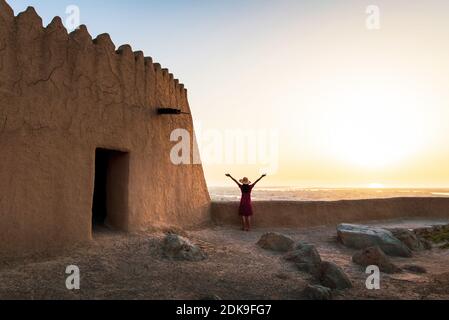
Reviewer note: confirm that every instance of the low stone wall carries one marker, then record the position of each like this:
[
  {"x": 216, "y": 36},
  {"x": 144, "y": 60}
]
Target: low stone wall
[{"x": 315, "y": 213}]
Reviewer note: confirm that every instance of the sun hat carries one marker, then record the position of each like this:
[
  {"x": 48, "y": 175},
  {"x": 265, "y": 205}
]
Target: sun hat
[{"x": 245, "y": 180}]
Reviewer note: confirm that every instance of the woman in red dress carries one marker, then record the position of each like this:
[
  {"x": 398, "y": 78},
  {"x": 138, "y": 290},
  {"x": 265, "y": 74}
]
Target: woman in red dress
[{"x": 246, "y": 208}]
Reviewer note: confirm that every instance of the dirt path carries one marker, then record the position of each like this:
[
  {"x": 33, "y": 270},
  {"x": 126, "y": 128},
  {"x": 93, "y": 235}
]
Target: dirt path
[{"x": 119, "y": 266}]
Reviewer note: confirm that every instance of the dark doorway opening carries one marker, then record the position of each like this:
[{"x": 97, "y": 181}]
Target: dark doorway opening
[{"x": 110, "y": 199}]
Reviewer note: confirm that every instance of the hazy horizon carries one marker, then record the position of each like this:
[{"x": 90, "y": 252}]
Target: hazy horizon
[
  {"x": 351, "y": 106},
  {"x": 261, "y": 193}
]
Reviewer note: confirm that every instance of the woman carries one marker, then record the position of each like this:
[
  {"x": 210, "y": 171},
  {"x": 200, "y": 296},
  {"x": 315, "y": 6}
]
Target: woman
[{"x": 246, "y": 208}]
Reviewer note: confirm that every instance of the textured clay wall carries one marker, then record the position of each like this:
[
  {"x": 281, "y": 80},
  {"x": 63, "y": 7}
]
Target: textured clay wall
[
  {"x": 269, "y": 214},
  {"x": 61, "y": 97}
]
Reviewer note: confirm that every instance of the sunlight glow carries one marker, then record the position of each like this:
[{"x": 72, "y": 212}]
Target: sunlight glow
[
  {"x": 377, "y": 125},
  {"x": 376, "y": 186}
]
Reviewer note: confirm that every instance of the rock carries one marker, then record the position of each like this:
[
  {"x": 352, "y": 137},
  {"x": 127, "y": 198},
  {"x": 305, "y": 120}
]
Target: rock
[
  {"x": 426, "y": 243},
  {"x": 423, "y": 232},
  {"x": 306, "y": 258},
  {"x": 178, "y": 248},
  {"x": 276, "y": 242},
  {"x": 436, "y": 235},
  {"x": 362, "y": 237},
  {"x": 317, "y": 293},
  {"x": 438, "y": 228},
  {"x": 375, "y": 256},
  {"x": 415, "y": 269},
  {"x": 410, "y": 239},
  {"x": 332, "y": 276},
  {"x": 282, "y": 276}
]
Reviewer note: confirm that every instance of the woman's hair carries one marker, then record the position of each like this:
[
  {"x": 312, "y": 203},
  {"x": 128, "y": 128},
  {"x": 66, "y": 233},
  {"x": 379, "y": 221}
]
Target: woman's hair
[{"x": 245, "y": 180}]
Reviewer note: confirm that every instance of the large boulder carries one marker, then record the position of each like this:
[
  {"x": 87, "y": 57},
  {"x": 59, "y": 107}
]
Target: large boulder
[
  {"x": 176, "y": 247},
  {"x": 317, "y": 293},
  {"x": 332, "y": 276},
  {"x": 411, "y": 240},
  {"x": 276, "y": 242},
  {"x": 375, "y": 256},
  {"x": 362, "y": 237},
  {"x": 306, "y": 258}
]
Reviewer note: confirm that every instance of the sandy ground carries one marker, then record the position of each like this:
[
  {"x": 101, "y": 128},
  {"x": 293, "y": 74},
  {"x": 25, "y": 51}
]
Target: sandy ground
[{"x": 120, "y": 266}]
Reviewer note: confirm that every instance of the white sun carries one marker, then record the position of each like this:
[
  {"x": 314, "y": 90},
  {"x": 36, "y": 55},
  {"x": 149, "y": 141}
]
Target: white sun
[{"x": 375, "y": 126}]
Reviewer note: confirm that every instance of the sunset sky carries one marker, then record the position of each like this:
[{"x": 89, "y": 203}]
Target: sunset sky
[{"x": 352, "y": 107}]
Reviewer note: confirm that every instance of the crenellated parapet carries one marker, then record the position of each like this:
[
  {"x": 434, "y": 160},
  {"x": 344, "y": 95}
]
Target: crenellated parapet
[{"x": 52, "y": 45}]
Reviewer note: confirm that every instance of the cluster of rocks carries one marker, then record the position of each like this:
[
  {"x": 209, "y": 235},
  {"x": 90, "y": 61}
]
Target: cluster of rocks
[
  {"x": 376, "y": 244},
  {"x": 413, "y": 241},
  {"x": 435, "y": 234},
  {"x": 374, "y": 247},
  {"x": 307, "y": 259},
  {"x": 426, "y": 232}
]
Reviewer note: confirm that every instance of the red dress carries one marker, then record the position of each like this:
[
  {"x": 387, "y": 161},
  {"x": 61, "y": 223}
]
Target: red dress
[{"x": 246, "y": 207}]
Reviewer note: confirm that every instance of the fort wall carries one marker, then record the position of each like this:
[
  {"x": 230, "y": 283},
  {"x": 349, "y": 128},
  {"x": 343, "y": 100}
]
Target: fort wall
[{"x": 62, "y": 96}]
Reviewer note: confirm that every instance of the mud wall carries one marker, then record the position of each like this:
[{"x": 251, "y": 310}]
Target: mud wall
[
  {"x": 61, "y": 97},
  {"x": 270, "y": 214}
]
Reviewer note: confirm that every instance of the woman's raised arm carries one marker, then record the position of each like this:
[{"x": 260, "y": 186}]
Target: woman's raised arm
[
  {"x": 229, "y": 176},
  {"x": 261, "y": 177}
]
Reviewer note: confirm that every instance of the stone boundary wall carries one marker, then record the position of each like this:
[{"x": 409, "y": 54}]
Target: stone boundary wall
[{"x": 273, "y": 214}]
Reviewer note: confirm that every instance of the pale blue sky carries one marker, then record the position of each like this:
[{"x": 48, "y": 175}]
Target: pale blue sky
[{"x": 309, "y": 69}]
